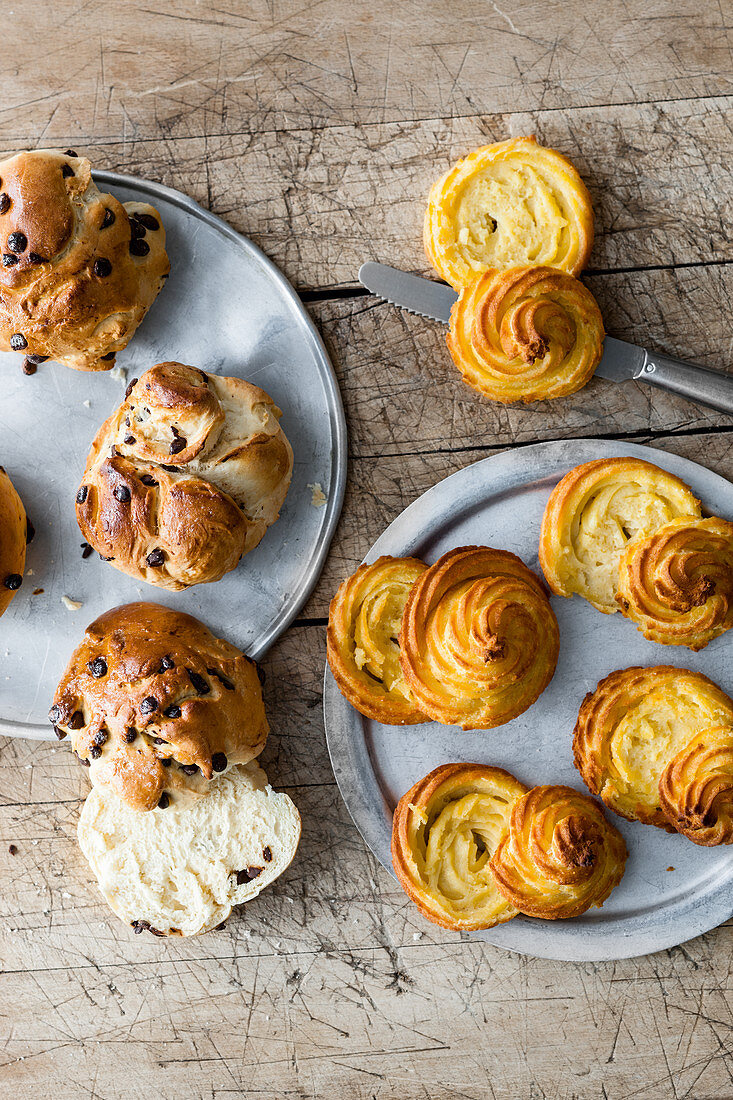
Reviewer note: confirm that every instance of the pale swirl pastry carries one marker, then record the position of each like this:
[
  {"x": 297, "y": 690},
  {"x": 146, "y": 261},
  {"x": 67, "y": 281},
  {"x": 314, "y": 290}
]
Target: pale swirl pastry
[
  {"x": 363, "y": 639},
  {"x": 515, "y": 202},
  {"x": 633, "y": 724},
  {"x": 444, "y": 832},
  {"x": 696, "y": 788},
  {"x": 560, "y": 856},
  {"x": 527, "y": 334},
  {"x": 479, "y": 640},
  {"x": 594, "y": 512},
  {"x": 14, "y": 533},
  {"x": 677, "y": 583}
]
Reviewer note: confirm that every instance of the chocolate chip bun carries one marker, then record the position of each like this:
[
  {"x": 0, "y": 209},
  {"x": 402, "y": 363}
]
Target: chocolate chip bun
[
  {"x": 13, "y": 538},
  {"x": 79, "y": 269},
  {"x": 185, "y": 477},
  {"x": 157, "y": 706},
  {"x": 179, "y": 874}
]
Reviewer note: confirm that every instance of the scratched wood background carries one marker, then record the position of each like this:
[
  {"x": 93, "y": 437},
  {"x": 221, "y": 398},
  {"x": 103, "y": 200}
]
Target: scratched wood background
[{"x": 316, "y": 127}]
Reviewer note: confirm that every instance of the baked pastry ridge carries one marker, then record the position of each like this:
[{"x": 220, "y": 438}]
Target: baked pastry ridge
[
  {"x": 559, "y": 856},
  {"x": 526, "y": 334},
  {"x": 633, "y": 724},
  {"x": 79, "y": 269},
  {"x": 13, "y": 538},
  {"x": 479, "y": 641},
  {"x": 696, "y": 788},
  {"x": 676, "y": 584},
  {"x": 185, "y": 476},
  {"x": 363, "y": 639},
  {"x": 504, "y": 205},
  {"x": 157, "y": 706},
  {"x": 444, "y": 831},
  {"x": 592, "y": 514}
]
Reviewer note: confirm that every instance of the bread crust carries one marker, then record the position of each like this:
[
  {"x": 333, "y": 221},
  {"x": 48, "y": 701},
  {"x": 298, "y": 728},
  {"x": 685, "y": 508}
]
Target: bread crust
[{"x": 13, "y": 539}]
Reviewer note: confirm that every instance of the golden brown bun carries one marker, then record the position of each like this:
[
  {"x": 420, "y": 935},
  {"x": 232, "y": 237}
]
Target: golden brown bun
[
  {"x": 185, "y": 477},
  {"x": 594, "y": 511},
  {"x": 526, "y": 334},
  {"x": 149, "y": 696},
  {"x": 631, "y": 726},
  {"x": 79, "y": 269},
  {"x": 479, "y": 641},
  {"x": 515, "y": 202},
  {"x": 677, "y": 583},
  {"x": 560, "y": 856},
  {"x": 363, "y": 639},
  {"x": 696, "y": 788},
  {"x": 444, "y": 831},
  {"x": 13, "y": 538}
]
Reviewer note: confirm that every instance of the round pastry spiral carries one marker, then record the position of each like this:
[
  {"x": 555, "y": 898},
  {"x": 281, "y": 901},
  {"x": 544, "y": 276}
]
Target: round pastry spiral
[
  {"x": 560, "y": 856},
  {"x": 479, "y": 640},
  {"x": 696, "y": 788},
  {"x": 631, "y": 726},
  {"x": 526, "y": 334},
  {"x": 677, "y": 583},
  {"x": 515, "y": 202},
  {"x": 594, "y": 512},
  {"x": 363, "y": 639},
  {"x": 444, "y": 832}
]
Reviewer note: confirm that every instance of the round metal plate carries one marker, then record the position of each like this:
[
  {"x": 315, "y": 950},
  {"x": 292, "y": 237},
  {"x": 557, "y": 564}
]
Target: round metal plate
[
  {"x": 672, "y": 890},
  {"x": 227, "y": 309}
]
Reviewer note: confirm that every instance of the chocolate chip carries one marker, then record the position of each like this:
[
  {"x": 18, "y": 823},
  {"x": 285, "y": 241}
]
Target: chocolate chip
[
  {"x": 86, "y": 550},
  {"x": 219, "y": 761},
  {"x": 61, "y": 734},
  {"x": 102, "y": 267},
  {"x": 155, "y": 558},
  {"x": 55, "y": 714},
  {"x": 86, "y": 763},
  {"x": 36, "y": 359},
  {"x": 129, "y": 735},
  {"x": 102, "y": 558},
  {"x": 167, "y": 762},
  {"x": 76, "y": 721},
  {"x": 166, "y": 663},
  {"x": 129, "y": 440},
  {"x": 101, "y": 737},
  {"x": 9, "y": 260},
  {"x": 179, "y": 444},
  {"x": 147, "y": 220},
  {"x": 14, "y": 851},
  {"x": 164, "y": 801},
  {"x": 70, "y": 153},
  {"x": 81, "y": 495},
  {"x": 149, "y": 704},
  {"x": 108, "y": 219},
  {"x": 159, "y": 741},
  {"x": 267, "y": 854},
  {"x": 13, "y": 581},
  {"x": 139, "y": 926},
  {"x": 97, "y": 667},
  {"x": 172, "y": 712},
  {"x": 95, "y": 752},
  {"x": 109, "y": 355},
  {"x": 198, "y": 682},
  {"x": 66, "y": 171},
  {"x": 148, "y": 479},
  {"x": 189, "y": 769},
  {"x": 30, "y": 531},
  {"x": 139, "y": 248},
  {"x": 137, "y": 229},
  {"x": 18, "y": 342},
  {"x": 222, "y": 679},
  {"x": 248, "y": 874},
  {"x": 28, "y": 367},
  {"x": 121, "y": 493},
  {"x": 17, "y": 242},
  {"x": 170, "y": 469},
  {"x": 34, "y": 258},
  {"x": 131, "y": 387},
  {"x": 4, "y": 203}
]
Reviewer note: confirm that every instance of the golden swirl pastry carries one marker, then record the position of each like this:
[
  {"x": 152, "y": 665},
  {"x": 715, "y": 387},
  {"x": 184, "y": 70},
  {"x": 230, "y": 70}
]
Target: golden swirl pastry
[
  {"x": 527, "y": 334},
  {"x": 560, "y": 856},
  {"x": 631, "y": 726},
  {"x": 363, "y": 639},
  {"x": 444, "y": 832},
  {"x": 594, "y": 511},
  {"x": 696, "y": 788},
  {"x": 677, "y": 583},
  {"x": 479, "y": 640},
  {"x": 512, "y": 203}
]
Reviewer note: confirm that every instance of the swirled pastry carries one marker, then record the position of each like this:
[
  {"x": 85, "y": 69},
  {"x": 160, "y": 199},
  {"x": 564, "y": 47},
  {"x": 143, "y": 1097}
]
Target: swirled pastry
[
  {"x": 526, "y": 334},
  {"x": 185, "y": 477},
  {"x": 479, "y": 641},
  {"x": 676, "y": 584},
  {"x": 79, "y": 269},
  {"x": 363, "y": 639},
  {"x": 444, "y": 832},
  {"x": 594, "y": 511},
  {"x": 696, "y": 788},
  {"x": 13, "y": 538},
  {"x": 631, "y": 726},
  {"x": 560, "y": 856},
  {"x": 507, "y": 204}
]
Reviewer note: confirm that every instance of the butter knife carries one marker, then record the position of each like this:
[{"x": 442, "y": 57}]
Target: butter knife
[{"x": 620, "y": 360}]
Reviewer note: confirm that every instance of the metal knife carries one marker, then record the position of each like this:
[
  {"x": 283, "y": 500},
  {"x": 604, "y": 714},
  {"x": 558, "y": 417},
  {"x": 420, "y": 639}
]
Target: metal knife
[{"x": 620, "y": 360}]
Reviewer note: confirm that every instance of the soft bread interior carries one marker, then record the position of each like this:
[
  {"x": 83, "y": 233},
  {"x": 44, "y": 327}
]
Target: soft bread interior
[{"x": 181, "y": 872}]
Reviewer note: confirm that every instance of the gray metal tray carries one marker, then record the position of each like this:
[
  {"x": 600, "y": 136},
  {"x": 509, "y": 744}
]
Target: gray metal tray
[
  {"x": 672, "y": 890},
  {"x": 227, "y": 309}
]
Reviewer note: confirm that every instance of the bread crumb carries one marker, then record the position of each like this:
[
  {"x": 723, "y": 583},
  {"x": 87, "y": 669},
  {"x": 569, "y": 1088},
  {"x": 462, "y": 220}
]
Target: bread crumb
[
  {"x": 670, "y": 868},
  {"x": 29, "y": 572},
  {"x": 119, "y": 374},
  {"x": 318, "y": 497},
  {"x": 417, "y": 936},
  {"x": 87, "y": 404},
  {"x": 71, "y": 605},
  {"x": 37, "y": 591}
]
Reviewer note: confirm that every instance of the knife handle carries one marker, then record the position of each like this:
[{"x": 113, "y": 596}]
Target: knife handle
[{"x": 708, "y": 387}]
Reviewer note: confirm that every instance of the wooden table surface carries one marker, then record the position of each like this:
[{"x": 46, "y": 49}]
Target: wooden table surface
[{"x": 316, "y": 128}]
